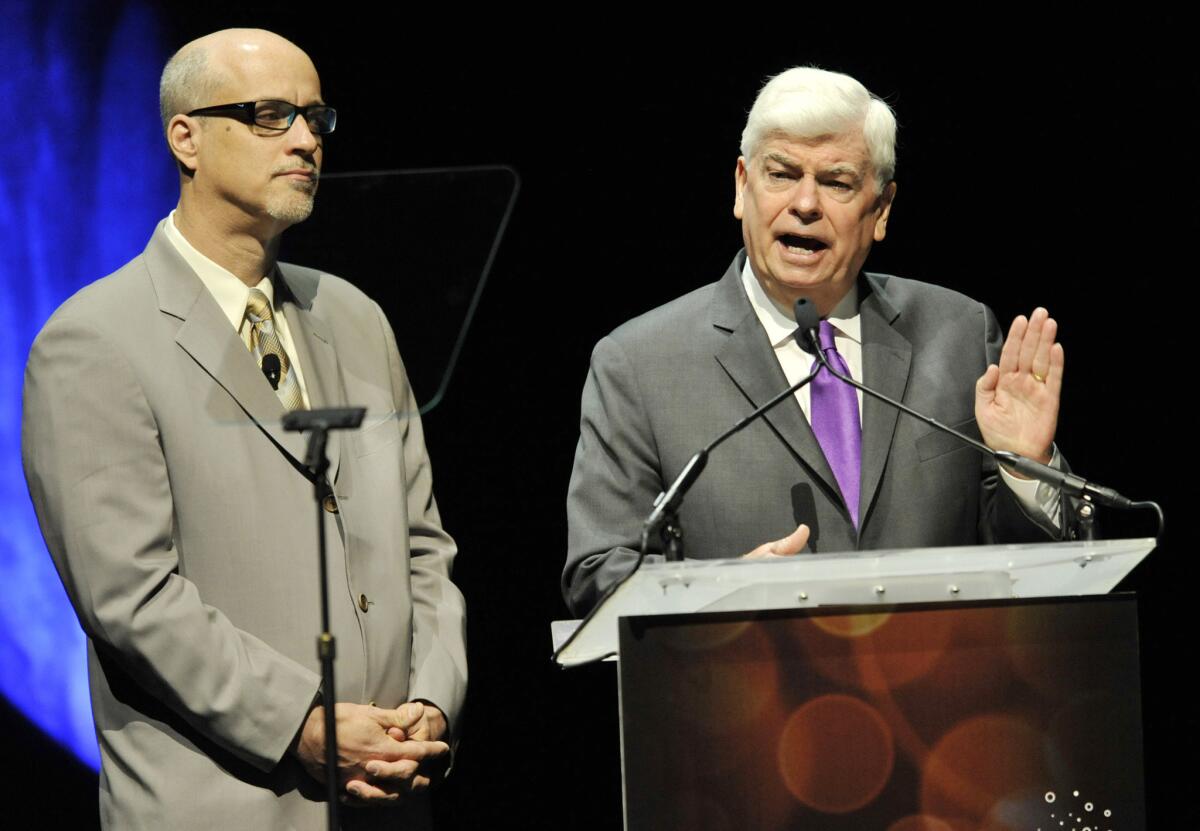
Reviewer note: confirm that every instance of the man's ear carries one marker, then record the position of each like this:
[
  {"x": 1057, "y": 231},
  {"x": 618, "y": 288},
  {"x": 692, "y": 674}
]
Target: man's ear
[
  {"x": 885, "y": 210},
  {"x": 739, "y": 187},
  {"x": 184, "y": 141}
]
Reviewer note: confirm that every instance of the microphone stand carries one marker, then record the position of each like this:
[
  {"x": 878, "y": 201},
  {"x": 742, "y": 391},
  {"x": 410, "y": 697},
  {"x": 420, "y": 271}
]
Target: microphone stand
[
  {"x": 666, "y": 506},
  {"x": 1089, "y": 493},
  {"x": 318, "y": 423},
  {"x": 665, "y": 516}
]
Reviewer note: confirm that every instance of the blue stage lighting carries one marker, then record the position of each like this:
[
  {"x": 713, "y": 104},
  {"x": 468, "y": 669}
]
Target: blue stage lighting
[{"x": 84, "y": 178}]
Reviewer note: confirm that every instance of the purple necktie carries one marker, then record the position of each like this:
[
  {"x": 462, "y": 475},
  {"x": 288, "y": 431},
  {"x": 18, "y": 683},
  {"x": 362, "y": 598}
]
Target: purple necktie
[{"x": 835, "y": 422}]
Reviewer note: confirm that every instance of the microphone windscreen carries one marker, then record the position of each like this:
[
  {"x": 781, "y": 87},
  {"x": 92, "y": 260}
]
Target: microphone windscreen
[
  {"x": 804, "y": 509},
  {"x": 272, "y": 368},
  {"x": 807, "y": 319}
]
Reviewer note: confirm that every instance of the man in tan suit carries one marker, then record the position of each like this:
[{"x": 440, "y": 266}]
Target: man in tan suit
[{"x": 178, "y": 512}]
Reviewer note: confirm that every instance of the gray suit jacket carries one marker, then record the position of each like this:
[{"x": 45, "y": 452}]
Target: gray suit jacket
[
  {"x": 171, "y": 502},
  {"x": 665, "y": 384}
]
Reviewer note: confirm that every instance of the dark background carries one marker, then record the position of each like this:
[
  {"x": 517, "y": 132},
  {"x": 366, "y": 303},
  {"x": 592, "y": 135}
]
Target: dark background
[{"x": 1037, "y": 164}]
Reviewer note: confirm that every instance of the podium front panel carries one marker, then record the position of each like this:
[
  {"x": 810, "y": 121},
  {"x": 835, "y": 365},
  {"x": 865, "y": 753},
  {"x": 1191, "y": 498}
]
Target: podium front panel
[{"x": 1018, "y": 714}]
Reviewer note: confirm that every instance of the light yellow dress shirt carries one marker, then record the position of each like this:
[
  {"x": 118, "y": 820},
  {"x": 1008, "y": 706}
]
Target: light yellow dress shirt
[{"x": 231, "y": 295}]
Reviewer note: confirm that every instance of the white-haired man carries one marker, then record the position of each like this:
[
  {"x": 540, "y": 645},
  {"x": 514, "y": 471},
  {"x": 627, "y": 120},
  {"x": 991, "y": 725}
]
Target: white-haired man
[
  {"x": 179, "y": 514},
  {"x": 830, "y": 471}
]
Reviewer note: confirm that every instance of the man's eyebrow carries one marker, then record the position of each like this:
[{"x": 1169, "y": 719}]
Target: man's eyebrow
[
  {"x": 843, "y": 170},
  {"x": 318, "y": 102},
  {"x": 836, "y": 170},
  {"x": 780, "y": 158}
]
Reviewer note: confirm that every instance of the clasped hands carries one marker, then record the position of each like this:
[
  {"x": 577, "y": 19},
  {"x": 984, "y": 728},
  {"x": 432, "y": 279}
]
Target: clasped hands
[
  {"x": 382, "y": 754},
  {"x": 1016, "y": 405}
]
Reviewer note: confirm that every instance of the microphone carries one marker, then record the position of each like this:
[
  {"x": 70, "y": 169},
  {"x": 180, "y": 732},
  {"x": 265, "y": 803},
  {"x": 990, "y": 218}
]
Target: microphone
[
  {"x": 272, "y": 369},
  {"x": 668, "y": 501},
  {"x": 807, "y": 321},
  {"x": 1069, "y": 483}
]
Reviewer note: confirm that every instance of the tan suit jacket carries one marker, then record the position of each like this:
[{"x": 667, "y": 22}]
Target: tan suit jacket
[{"x": 173, "y": 506}]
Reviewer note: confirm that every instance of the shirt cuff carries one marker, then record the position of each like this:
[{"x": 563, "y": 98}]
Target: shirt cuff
[{"x": 1037, "y": 498}]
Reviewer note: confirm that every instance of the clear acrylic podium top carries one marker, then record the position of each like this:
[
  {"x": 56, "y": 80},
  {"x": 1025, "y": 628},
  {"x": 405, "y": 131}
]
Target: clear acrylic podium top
[{"x": 915, "y": 575}]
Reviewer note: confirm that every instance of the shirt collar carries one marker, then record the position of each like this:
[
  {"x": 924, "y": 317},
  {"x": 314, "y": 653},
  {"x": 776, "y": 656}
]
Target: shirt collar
[
  {"x": 779, "y": 323},
  {"x": 230, "y": 293}
]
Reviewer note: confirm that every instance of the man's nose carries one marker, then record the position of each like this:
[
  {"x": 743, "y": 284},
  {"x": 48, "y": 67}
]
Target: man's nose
[
  {"x": 806, "y": 199},
  {"x": 301, "y": 136}
]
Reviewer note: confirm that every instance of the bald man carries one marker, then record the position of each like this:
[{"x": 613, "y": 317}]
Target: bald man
[{"x": 178, "y": 512}]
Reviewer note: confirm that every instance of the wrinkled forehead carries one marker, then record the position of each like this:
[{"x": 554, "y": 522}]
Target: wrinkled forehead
[{"x": 847, "y": 148}]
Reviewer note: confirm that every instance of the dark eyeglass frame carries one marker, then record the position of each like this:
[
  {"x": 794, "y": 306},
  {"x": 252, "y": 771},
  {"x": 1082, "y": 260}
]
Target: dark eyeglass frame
[{"x": 247, "y": 113}]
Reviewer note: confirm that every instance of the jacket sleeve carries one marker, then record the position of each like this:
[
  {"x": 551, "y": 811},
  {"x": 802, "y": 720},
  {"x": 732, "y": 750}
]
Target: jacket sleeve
[
  {"x": 614, "y": 481},
  {"x": 439, "y": 652}
]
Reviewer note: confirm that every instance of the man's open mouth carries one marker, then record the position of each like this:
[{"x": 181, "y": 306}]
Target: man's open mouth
[{"x": 801, "y": 244}]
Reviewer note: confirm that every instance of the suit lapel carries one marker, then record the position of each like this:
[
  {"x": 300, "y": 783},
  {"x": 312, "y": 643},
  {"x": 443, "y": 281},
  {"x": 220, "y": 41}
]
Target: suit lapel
[
  {"x": 747, "y": 357},
  {"x": 887, "y": 356},
  {"x": 205, "y": 334},
  {"x": 315, "y": 351}
]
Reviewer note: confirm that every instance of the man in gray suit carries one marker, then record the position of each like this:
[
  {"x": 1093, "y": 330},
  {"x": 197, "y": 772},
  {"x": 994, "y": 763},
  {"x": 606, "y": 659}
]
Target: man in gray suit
[
  {"x": 179, "y": 514},
  {"x": 830, "y": 470}
]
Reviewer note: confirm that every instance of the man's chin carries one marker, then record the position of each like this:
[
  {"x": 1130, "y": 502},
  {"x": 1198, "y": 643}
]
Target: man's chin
[
  {"x": 822, "y": 289},
  {"x": 801, "y": 282},
  {"x": 292, "y": 210}
]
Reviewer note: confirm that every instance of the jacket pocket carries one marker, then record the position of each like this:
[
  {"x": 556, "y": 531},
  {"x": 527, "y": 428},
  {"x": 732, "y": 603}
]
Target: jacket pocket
[
  {"x": 936, "y": 443},
  {"x": 377, "y": 435}
]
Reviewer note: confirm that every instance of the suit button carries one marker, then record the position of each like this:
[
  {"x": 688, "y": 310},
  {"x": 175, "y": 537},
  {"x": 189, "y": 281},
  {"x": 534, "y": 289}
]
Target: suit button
[
  {"x": 329, "y": 503},
  {"x": 363, "y": 603}
]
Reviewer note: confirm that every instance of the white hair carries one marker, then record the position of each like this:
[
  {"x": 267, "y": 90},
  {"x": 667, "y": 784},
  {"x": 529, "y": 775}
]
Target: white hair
[{"x": 806, "y": 102}]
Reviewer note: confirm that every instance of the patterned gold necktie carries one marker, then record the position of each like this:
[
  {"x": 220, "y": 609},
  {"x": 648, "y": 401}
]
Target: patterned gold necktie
[{"x": 261, "y": 338}]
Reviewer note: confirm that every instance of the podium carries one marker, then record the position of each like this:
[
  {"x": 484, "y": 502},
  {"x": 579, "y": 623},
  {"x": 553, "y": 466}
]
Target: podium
[{"x": 989, "y": 687}]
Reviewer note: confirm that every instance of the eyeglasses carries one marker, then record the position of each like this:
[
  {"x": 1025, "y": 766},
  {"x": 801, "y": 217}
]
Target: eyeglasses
[{"x": 276, "y": 116}]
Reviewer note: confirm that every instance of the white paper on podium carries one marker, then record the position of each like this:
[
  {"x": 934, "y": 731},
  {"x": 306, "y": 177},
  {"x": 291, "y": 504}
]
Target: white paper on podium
[{"x": 889, "y": 577}]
